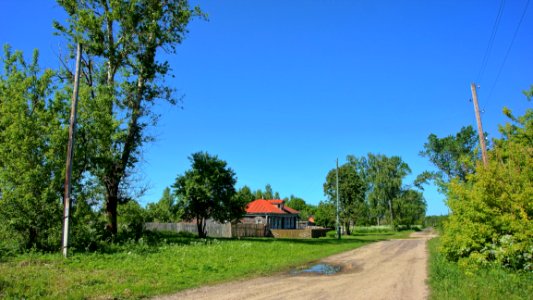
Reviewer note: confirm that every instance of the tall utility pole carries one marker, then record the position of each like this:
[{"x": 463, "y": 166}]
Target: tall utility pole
[
  {"x": 479, "y": 125},
  {"x": 70, "y": 153},
  {"x": 338, "y": 221}
]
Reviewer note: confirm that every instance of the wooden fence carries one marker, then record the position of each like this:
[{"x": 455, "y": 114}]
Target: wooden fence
[
  {"x": 300, "y": 233},
  {"x": 249, "y": 230},
  {"x": 214, "y": 229}
]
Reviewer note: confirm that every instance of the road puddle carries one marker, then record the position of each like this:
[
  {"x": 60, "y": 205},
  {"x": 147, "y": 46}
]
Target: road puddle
[{"x": 322, "y": 269}]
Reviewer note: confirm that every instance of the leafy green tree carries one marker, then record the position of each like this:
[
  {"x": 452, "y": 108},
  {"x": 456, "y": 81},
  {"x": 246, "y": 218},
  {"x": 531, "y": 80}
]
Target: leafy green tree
[
  {"x": 351, "y": 193},
  {"x": 300, "y": 205},
  {"x": 492, "y": 211},
  {"x": 410, "y": 207},
  {"x": 245, "y": 193},
  {"x": 165, "y": 210},
  {"x": 325, "y": 214},
  {"x": 384, "y": 178},
  {"x": 241, "y": 198},
  {"x": 454, "y": 156},
  {"x": 131, "y": 219},
  {"x": 268, "y": 194},
  {"x": 32, "y": 136},
  {"x": 122, "y": 79},
  {"x": 258, "y": 194},
  {"x": 296, "y": 203},
  {"x": 435, "y": 221},
  {"x": 207, "y": 191}
]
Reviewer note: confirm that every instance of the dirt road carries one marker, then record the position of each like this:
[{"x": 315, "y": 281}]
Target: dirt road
[{"x": 395, "y": 269}]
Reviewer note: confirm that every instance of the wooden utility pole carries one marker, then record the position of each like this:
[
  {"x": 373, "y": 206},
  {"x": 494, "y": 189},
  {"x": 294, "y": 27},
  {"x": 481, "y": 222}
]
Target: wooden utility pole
[
  {"x": 337, "y": 187},
  {"x": 70, "y": 153},
  {"x": 479, "y": 125}
]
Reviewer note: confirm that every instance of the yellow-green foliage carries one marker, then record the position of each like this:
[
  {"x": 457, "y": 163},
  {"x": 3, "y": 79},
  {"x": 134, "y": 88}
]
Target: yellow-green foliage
[{"x": 492, "y": 211}]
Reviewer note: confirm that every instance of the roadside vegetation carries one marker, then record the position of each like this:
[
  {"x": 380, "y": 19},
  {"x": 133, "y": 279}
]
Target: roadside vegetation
[
  {"x": 449, "y": 280},
  {"x": 162, "y": 263},
  {"x": 486, "y": 246}
]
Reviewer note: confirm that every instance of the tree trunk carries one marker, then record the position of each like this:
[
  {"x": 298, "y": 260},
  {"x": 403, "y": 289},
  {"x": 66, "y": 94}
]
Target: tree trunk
[
  {"x": 347, "y": 226},
  {"x": 111, "y": 213},
  {"x": 111, "y": 204},
  {"x": 200, "y": 223},
  {"x": 391, "y": 215}
]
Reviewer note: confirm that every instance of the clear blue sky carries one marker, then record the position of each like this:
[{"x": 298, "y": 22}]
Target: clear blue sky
[{"x": 280, "y": 89}]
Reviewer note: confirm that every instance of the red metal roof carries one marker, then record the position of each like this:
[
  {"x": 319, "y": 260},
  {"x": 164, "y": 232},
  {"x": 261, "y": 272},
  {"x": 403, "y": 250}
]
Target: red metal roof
[
  {"x": 262, "y": 206},
  {"x": 275, "y": 201},
  {"x": 291, "y": 210}
]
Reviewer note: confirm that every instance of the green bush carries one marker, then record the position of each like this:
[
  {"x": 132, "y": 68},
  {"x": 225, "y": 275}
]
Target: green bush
[
  {"x": 492, "y": 219},
  {"x": 470, "y": 280},
  {"x": 331, "y": 234},
  {"x": 131, "y": 219}
]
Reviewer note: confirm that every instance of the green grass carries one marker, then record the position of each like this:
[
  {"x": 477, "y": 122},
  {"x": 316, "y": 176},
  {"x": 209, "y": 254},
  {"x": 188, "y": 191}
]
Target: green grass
[
  {"x": 175, "y": 264},
  {"x": 449, "y": 281},
  {"x": 372, "y": 229}
]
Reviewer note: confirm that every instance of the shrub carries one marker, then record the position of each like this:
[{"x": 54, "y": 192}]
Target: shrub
[
  {"x": 131, "y": 219},
  {"x": 492, "y": 211},
  {"x": 331, "y": 234}
]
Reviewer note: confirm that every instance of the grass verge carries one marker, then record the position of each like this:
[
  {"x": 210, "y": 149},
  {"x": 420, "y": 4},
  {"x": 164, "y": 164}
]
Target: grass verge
[
  {"x": 176, "y": 264},
  {"x": 449, "y": 281}
]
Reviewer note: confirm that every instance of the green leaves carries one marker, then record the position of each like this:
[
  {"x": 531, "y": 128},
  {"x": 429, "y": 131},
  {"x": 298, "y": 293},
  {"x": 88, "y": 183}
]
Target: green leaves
[
  {"x": 492, "y": 210},
  {"x": 122, "y": 79},
  {"x": 165, "y": 210},
  {"x": 207, "y": 191},
  {"x": 31, "y": 154},
  {"x": 454, "y": 156},
  {"x": 371, "y": 188}
]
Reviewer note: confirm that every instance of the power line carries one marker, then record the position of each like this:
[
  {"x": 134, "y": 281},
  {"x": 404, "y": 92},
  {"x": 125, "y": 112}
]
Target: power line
[
  {"x": 509, "y": 49},
  {"x": 491, "y": 41}
]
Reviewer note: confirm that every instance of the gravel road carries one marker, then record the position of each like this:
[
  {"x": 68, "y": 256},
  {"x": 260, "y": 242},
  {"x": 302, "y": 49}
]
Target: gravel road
[{"x": 395, "y": 269}]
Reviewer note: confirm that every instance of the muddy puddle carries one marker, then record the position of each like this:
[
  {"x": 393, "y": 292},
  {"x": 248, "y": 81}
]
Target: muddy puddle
[{"x": 320, "y": 269}]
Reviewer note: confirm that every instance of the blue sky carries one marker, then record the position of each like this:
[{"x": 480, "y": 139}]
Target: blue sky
[{"x": 280, "y": 89}]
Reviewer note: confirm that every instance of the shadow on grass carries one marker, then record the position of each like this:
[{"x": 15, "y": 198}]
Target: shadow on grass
[
  {"x": 353, "y": 239},
  {"x": 152, "y": 240}
]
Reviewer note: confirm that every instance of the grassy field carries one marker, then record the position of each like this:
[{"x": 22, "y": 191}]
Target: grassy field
[
  {"x": 448, "y": 281},
  {"x": 175, "y": 264}
]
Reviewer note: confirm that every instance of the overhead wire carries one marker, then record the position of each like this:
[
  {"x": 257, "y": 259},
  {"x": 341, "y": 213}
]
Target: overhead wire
[
  {"x": 491, "y": 41},
  {"x": 508, "y": 49}
]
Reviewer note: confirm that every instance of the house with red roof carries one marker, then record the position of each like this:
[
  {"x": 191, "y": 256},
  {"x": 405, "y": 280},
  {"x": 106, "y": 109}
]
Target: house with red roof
[{"x": 273, "y": 213}]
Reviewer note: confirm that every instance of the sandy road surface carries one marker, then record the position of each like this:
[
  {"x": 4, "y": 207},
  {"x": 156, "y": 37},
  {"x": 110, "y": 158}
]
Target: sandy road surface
[{"x": 395, "y": 269}]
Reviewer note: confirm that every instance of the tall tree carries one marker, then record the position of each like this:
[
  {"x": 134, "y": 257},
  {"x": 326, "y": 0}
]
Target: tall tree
[
  {"x": 268, "y": 194},
  {"x": 165, "y": 210},
  {"x": 453, "y": 155},
  {"x": 296, "y": 203},
  {"x": 245, "y": 193},
  {"x": 32, "y": 135},
  {"x": 300, "y": 205},
  {"x": 325, "y": 214},
  {"x": 258, "y": 194},
  {"x": 385, "y": 175},
  {"x": 410, "y": 207},
  {"x": 351, "y": 193},
  {"x": 207, "y": 191},
  {"x": 122, "y": 78}
]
